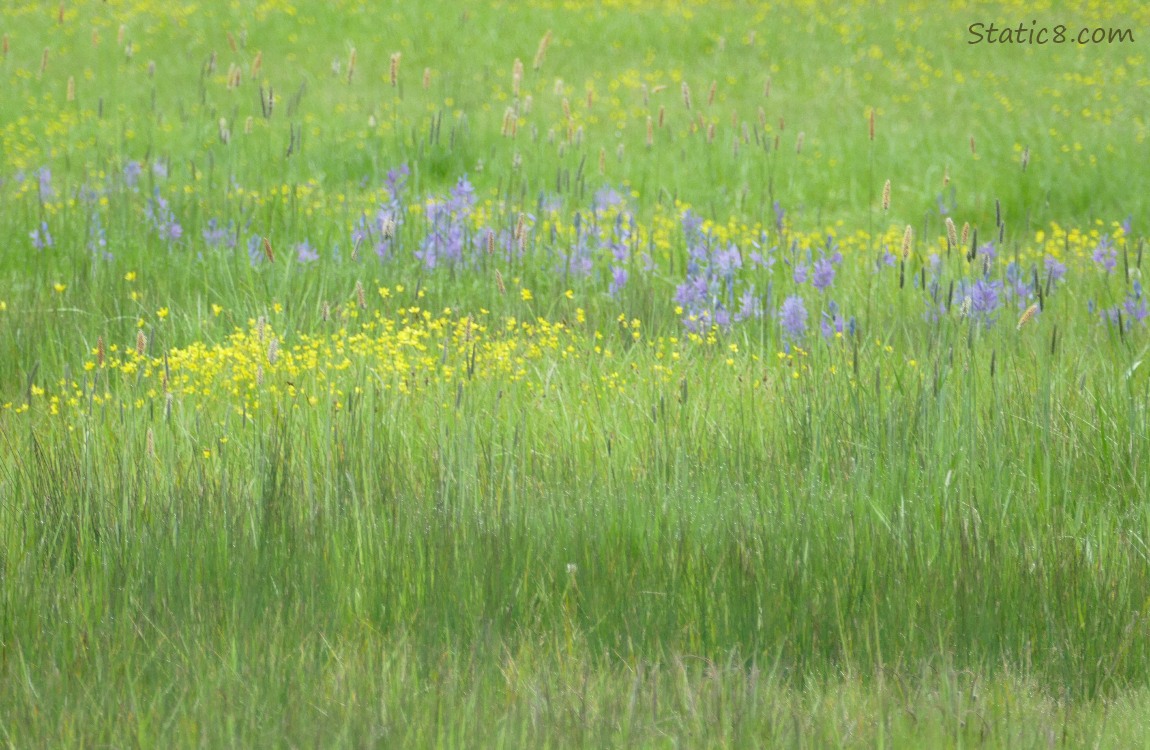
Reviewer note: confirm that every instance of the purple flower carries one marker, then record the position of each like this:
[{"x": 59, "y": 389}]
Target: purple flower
[
  {"x": 728, "y": 261},
  {"x": 397, "y": 182},
  {"x": 216, "y": 236},
  {"x": 160, "y": 169},
  {"x": 132, "y": 172},
  {"x": 1135, "y": 305},
  {"x": 749, "y": 306},
  {"x": 692, "y": 227},
  {"x": 606, "y": 198},
  {"x": 987, "y": 252},
  {"x": 793, "y": 317},
  {"x": 1055, "y": 269},
  {"x": 97, "y": 239},
  {"x": 41, "y": 237},
  {"x": 162, "y": 219},
  {"x": 824, "y": 274},
  {"x": 45, "y": 179},
  {"x": 691, "y": 292},
  {"x": 983, "y": 299},
  {"x": 462, "y": 196},
  {"x": 305, "y": 253},
  {"x": 256, "y": 250},
  {"x": 618, "y": 280},
  {"x": 887, "y": 259},
  {"x": 801, "y": 273},
  {"x": 1105, "y": 254}
]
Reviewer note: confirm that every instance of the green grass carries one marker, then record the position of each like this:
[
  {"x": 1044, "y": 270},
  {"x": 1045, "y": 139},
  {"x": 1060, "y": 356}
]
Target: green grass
[{"x": 607, "y": 532}]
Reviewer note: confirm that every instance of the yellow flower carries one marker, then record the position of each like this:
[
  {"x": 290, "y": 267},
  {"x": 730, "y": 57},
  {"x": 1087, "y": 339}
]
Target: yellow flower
[
  {"x": 162, "y": 313},
  {"x": 59, "y": 287},
  {"x": 525, "y": 294},
  {"x": 130, "y": 276},
  {"x": 216, "y": 310},
  {"x": 569, "y": 294}
]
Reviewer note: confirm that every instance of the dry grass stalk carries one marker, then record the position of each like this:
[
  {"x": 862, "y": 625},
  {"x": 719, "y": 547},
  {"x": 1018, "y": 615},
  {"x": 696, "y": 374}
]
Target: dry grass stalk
[
  {"x": 1026, "y": 316},
  {"x": 541, "y": 51}
]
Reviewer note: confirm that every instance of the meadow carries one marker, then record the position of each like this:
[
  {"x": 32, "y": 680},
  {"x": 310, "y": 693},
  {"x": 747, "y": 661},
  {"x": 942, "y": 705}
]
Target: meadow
[{"x": 553, "y": 374}]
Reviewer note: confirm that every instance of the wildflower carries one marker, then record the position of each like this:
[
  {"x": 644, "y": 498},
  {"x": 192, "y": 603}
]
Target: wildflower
[
  {"x": 132, "y": 171},
  {"x": 216, "y": 236},
  {"x": 749, "y": 306},
  {"x": 793, "y": 317},
  {"x": 824, "y": 274},
  {"x": 162, "y": 218},
  {"x": 41, "y": 238},
  {"x": 1105, "y": 254},
  {"x": 618, "y": 280},
  {"x": 44, "y": 179},
  {"x": 305, "y": 253},
  {"x": 1055, "y": 269}
]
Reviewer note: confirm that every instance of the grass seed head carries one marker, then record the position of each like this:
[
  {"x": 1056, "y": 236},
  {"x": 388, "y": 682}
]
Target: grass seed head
[
  {"x": 686, "y": 92},
  {"x": 886, "y": 196},
  {"x": 541, "y": 51},
  {"x": 394, "y": 69},
  {"x": 1026, "y": 316},
  {"x": 141, "y": 343},
  {"x": 907, "y": 241},
  {"x": 951, "y": 232}
]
